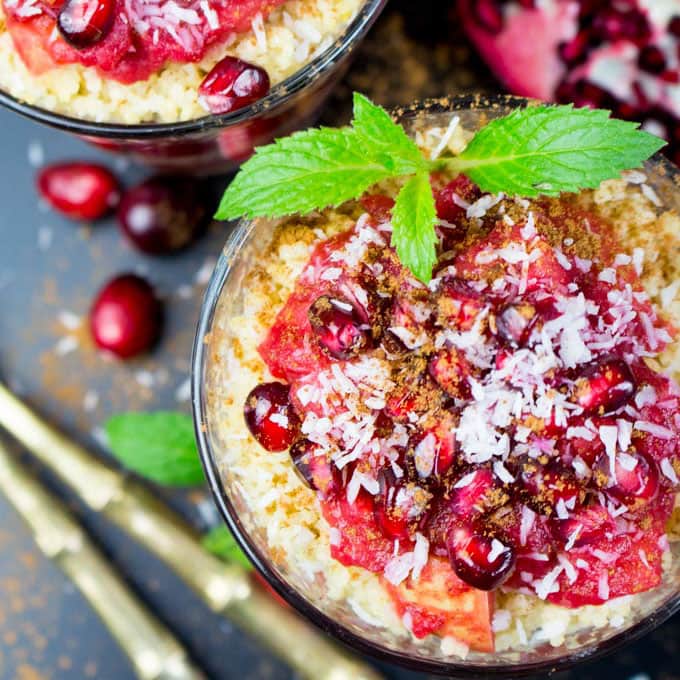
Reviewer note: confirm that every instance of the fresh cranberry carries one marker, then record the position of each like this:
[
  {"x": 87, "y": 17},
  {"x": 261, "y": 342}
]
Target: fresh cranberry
[
  {"x": 126, "y": 316},
  {"x": 550, "y": 490},
  {"x": 270, "y": 416},
  {"x": 338, "y": 327},
  {"x": 604, "y": 387},
  {"x": 232, "y": 84},
  {"x": 584, "y": 527},
  {"x": 514, "y": 323},
  {"x": 480, "y": 559},
  {"x": 312, "y": 465},
  {"x": 488, "y": 15},
  {"x": 81, "y": 191},
  {"x": 163, "y": 214},
  {"x": 83, "y": 23},
  {"x": 627, "y": 485},
  {"x": 476, "y": 493},
  {"x": 652, "y": 59},
  {"x": 450, "y": 370}
]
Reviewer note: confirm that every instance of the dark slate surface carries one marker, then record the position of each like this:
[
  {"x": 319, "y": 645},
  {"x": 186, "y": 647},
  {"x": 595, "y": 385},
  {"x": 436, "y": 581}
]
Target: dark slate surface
[{"x": 49, "y": 270}]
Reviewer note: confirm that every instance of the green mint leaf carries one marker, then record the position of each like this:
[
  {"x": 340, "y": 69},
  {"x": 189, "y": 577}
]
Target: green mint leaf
[
  {"x": 550, "y": 149},
  {"x": 385, "y": 139},
  {"x": 304, "y": 172},
  {"x": 413, "y": 220},
  {"x": 158, "y": 446},
  {"x": 220, "y": 542}
]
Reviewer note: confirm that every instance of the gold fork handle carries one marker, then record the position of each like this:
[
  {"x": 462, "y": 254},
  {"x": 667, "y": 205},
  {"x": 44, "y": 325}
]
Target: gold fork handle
[
  {"x": 153, "y": 651},
  {"x": 226, "y": 589}
]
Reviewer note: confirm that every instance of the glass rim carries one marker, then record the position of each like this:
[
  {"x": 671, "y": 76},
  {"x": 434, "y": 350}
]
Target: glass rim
[
  {"x": 234, "y": 243},
  {"x": 279, "y": 94}
]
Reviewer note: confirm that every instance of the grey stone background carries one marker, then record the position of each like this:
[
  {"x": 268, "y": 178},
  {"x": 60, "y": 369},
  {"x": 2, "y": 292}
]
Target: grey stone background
[{"x": 49, "y": 271}]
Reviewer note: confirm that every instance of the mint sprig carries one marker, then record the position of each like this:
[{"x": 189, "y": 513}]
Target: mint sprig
[
  {"x": 537, "y": 150},
  {"x": 158, "y": 446}
]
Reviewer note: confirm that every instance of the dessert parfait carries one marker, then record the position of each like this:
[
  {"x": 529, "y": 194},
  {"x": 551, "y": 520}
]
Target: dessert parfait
[
  {"x": 126, "y": 75},
  {"x": 482, "y": 469}
]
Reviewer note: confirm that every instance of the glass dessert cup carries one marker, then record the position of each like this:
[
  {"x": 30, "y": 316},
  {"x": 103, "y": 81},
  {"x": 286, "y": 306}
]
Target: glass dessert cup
[
  {"x": 307, "y": 593},
  {"x": 220, "y": 143}
]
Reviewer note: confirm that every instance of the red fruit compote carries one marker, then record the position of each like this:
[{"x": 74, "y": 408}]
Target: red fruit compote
[{"x": 485, "y": 467}]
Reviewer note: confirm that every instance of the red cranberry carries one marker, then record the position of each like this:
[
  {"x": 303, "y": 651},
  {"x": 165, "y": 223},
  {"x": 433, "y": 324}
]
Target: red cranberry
[
  {"x": 550, "y": 490},
  {"x": 652, "y": 59},
  {"x": 232, "y": 84},
  {"x": 628, "y": 485},
  {"x": 479, "y": 558},
  {"x": 83, "y": 23},
  {"x": 488, "y": 14},
  {"x": 476, "y": 493},
  {"x": 163, "y": 214},
  {"x": 604, "y": 387},
  {"x": 312, "y": 465},
  {"x": 270, "y": 416},
  {"x": 450, "y": 370},
  {"x": 585, "y": 527},
  {"x": 514, "y": 323},
  {"x": 126, "y": 316},
  {"x": 81, "y": 191},
  {"x": 338, "y": 327}
]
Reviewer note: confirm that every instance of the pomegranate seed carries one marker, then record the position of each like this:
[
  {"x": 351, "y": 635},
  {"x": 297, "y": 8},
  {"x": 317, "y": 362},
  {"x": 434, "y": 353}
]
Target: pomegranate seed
[
  {"x": 674, "y": 26},
  {"x": 604, "y": 387},
  {"x": 575, "y": 50},
  {"x": 477, "y": 493},
  {"x": 488, "y": 15},
  {"x": 450, "y": 370},
  {"x": 312, "y": 466},
  {"x": 585, "y": 527},
  {"x": 84, "y": 23},
  {"x": 434, "y": 449},
  {"x": 126, "y": 316},
  {"x": 479, "y": 558},
  {"x": 612, "y": 24},
  {"x": 514, "y": 323},
  {"x": 457, "y": 191},
  {"x": 163, "y": 214},
  {"x": 458, "y": 305},
  {"x": 81, "y": 191},
  {"x": 400, "y": 507},
  {"x": 338, "y": 327},
  {"x": 550, "y": 490},
  {"x": 635, "y": 478},
  {"x": 652, "y": 59},
  {"x": 270, "y": 416},
  {"x": 232, "y": 84}
]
